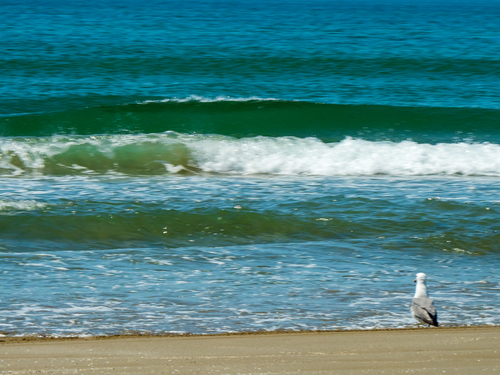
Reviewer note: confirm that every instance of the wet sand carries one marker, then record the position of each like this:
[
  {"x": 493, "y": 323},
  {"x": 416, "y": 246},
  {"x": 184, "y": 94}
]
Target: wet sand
[{"x": 472, "y": 350}]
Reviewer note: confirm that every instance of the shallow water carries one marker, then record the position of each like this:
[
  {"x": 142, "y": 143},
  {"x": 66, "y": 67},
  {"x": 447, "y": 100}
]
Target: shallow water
[
  {"x": 244, "y": 254},
  {"x": 318, "y": 285}
]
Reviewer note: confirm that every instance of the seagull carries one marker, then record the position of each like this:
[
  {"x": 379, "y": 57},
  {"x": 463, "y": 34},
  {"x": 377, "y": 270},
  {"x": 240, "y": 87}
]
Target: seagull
[{"x": 422, "y": 307}]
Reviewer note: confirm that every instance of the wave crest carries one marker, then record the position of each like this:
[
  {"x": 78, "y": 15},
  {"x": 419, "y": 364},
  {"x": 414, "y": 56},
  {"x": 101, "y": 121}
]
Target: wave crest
[
  {"x": 175, "y": 153},
  {"x": 203, "y": 99}
]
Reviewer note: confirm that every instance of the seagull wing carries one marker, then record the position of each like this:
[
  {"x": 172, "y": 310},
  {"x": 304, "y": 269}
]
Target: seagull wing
[{"x": 423, "y": 309}]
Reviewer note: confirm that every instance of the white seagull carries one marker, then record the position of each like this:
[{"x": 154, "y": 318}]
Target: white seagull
[{"x": 422, "y": 307}]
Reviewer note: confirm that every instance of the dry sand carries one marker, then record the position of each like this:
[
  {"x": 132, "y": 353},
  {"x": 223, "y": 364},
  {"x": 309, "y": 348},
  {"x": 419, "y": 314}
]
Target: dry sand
[{"x": 422, "y": 351}]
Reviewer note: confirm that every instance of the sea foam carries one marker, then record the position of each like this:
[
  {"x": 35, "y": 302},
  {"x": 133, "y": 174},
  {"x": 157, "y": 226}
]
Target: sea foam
[
  {"x": 203, "y": 99},
  {"x": 295, "y": 156},
  {"x": 24, "y": 205},
  {"x": 173, "y": 153}
]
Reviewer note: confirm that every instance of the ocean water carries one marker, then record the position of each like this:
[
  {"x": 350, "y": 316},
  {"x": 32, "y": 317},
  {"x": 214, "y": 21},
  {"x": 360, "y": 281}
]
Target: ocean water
[{"x": 223, "y": 166}]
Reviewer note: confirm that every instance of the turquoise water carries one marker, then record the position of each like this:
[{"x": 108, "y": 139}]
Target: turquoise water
[{"x": 206, "y": 166}]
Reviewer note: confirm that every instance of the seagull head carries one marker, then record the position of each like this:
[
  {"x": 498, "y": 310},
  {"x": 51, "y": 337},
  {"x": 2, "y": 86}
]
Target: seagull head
[{"x": 420, "y": 277}]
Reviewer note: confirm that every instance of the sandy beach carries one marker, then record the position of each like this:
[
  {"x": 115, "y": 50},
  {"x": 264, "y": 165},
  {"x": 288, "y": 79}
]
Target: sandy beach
[{"x": 471, "y": 350}]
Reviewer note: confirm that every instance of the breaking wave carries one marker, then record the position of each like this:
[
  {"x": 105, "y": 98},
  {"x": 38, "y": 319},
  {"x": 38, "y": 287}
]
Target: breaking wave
[{"x": 177, "y": 153}]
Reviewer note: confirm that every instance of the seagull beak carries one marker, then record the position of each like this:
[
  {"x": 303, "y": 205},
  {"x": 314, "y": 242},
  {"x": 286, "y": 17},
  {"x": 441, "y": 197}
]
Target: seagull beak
[{"x": 415, "y": 280}]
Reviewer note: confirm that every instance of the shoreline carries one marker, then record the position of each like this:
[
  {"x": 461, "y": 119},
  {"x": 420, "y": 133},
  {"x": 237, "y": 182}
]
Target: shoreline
[
  {"x": 455, "y": 350},
  {"x": 52, "y": 338}
]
